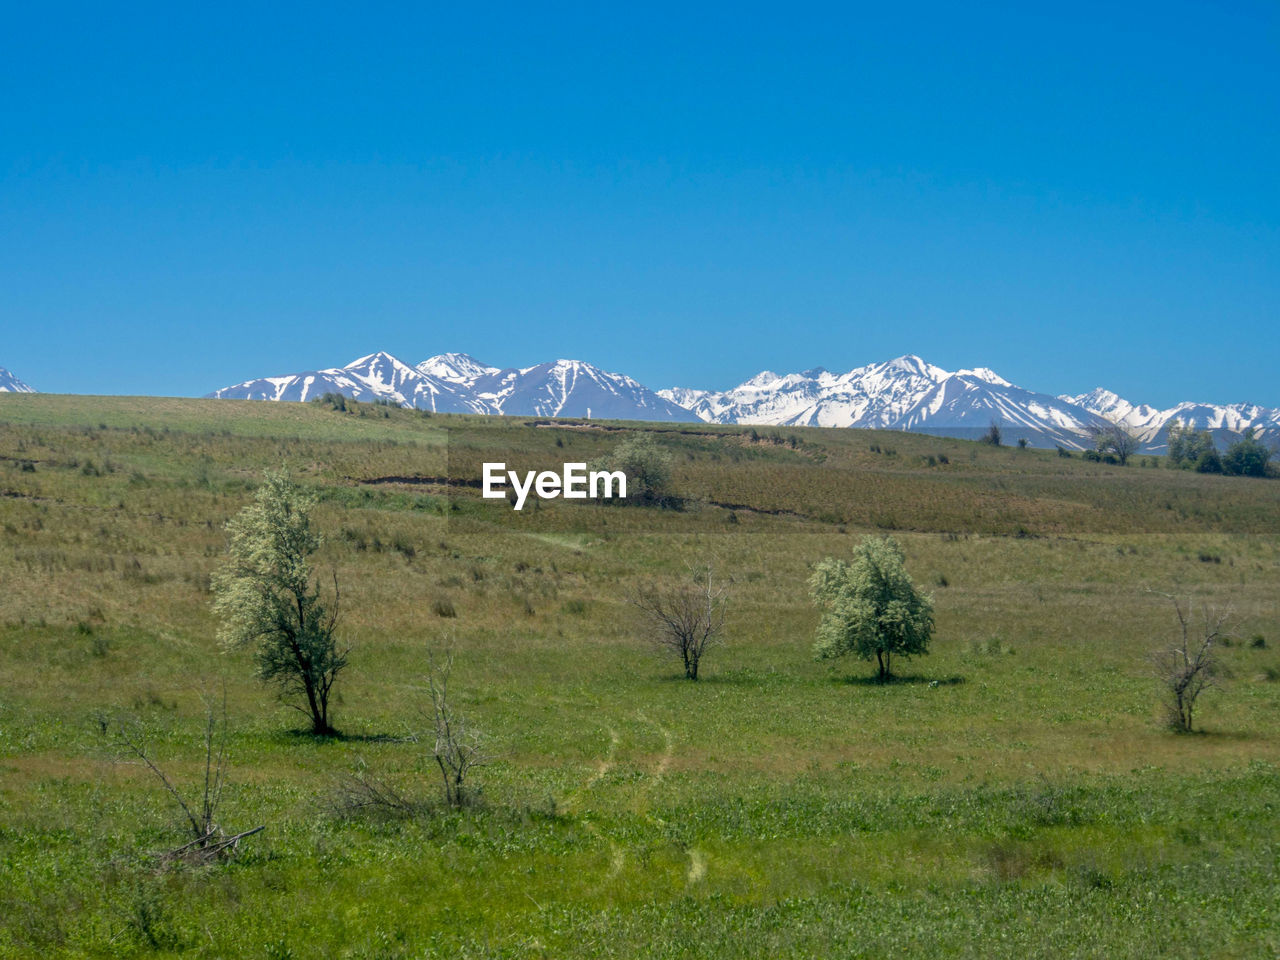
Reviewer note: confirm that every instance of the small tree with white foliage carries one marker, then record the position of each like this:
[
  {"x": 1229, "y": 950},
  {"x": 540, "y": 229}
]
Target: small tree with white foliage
[
  {"x": 870, "y": 607},
  {"x": 266, "y": 597}
]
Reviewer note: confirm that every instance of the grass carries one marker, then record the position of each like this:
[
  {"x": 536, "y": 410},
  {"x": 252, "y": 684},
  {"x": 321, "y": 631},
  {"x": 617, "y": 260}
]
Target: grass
[{"x": 1012, "y": 795}]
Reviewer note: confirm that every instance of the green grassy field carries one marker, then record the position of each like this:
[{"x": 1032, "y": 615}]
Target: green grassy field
[{"x": 1014, "y": 794}]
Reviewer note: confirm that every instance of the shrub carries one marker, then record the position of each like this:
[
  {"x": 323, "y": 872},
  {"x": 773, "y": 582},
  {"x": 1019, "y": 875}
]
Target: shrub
[
  {"x": 1209, "y": 462},
  {"x": 647, "y": 465},
  {"x": 1246, "y": 457},
  {"x": 457, "y": 748},
  {"x": 334, "y": 401}
]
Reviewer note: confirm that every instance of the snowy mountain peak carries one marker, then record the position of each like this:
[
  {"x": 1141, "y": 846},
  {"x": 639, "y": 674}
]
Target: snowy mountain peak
[
  {"x": 455, "y": 367},
  {"x": 911, "y": 364},
  {"x": 379, "y": 361},
  {"x": 380, "y": 355},
  {"x": 764, "y": 378},
  {"x": 11, "y": 384},
  {"x": 1097, "y": 397},
  {"x": 1115, "y": 408},
  {"x": 985, "y": 373}
]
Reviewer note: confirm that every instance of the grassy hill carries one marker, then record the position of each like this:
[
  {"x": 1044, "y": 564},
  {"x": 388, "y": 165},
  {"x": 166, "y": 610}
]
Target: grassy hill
[{"x": 1013, "y": 795}]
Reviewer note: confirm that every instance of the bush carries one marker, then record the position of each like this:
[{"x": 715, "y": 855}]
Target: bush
[
  {"x": 1209, "y": 462},
  {"x": 1246, "y": 457},
  {"x": 457, "y": 748},
  {"x": 335, "y": 401},
  {"x": 647, "y": 465}
]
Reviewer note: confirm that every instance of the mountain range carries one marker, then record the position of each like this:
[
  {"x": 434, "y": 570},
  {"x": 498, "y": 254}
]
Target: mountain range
[
  {"x": 11, "y": 384},
  {"x": 457, "y": 383},
  {"x": 907, "y": 393}
]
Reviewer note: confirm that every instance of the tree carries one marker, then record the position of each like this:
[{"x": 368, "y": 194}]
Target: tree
[
  {"x": 1115, "y": 439},
  {"x": 1189, "y": 666},
  {"x": 1187, "y": 445},
  {"x": 870, "y": 607},
  {"x": 686, "y": 619},
  {"x": 647, "y": 465},
  {"x": 993, "y": 436},
  {"x": 265, "y": 597},
  {"x": 1247, "y": 457}
]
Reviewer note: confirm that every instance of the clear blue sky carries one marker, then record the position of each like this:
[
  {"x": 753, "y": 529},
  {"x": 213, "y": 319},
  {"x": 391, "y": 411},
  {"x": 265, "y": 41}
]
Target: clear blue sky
[{"x": 1077, "y": 196}]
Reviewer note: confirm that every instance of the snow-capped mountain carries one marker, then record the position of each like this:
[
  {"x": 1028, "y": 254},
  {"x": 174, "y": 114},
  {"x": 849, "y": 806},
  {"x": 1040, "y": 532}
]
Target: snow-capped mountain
[
  {"x": 1224, "y": 421},
  {"x": 903, "y": 394},
  {"x": 11, "y": 384},
  {"x": 572, "y": 388},
  {"x": 455, "y": 368},
  {"x": 379, "y": 376},
  {"x": 457, "y": 383}
]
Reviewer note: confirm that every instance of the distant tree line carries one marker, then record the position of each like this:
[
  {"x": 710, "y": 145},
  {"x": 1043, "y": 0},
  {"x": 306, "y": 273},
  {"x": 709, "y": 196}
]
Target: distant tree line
[{"x": 1191, "y": 449}]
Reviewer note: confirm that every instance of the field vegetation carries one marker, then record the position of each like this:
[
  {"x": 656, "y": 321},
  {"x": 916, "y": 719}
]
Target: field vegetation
[{"x": 1016, "y": 792}]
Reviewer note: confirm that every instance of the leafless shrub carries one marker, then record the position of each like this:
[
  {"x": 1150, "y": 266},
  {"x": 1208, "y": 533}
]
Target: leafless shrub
[
  {"x": 209, "y": 842},
  {"x": 686, "y": 619},
  {"x": 1189, "y": 666},
  {"x": 457, "y": 748},
  {"x": 363, "y": 792}
]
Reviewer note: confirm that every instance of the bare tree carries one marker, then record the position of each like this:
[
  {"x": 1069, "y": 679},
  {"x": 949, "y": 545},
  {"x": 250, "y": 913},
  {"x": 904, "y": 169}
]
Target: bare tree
[
  {"x": 1117, "y": 440},
  {"x": 686, "y": 619},
  {"x": 209, "y": 841},
  {"x": 1189, "y": 666},
  {"x": 457, "y": 748}
]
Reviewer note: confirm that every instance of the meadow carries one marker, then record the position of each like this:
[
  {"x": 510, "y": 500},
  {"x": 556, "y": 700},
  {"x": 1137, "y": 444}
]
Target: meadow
[{"x": 1014, "y": 793}]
